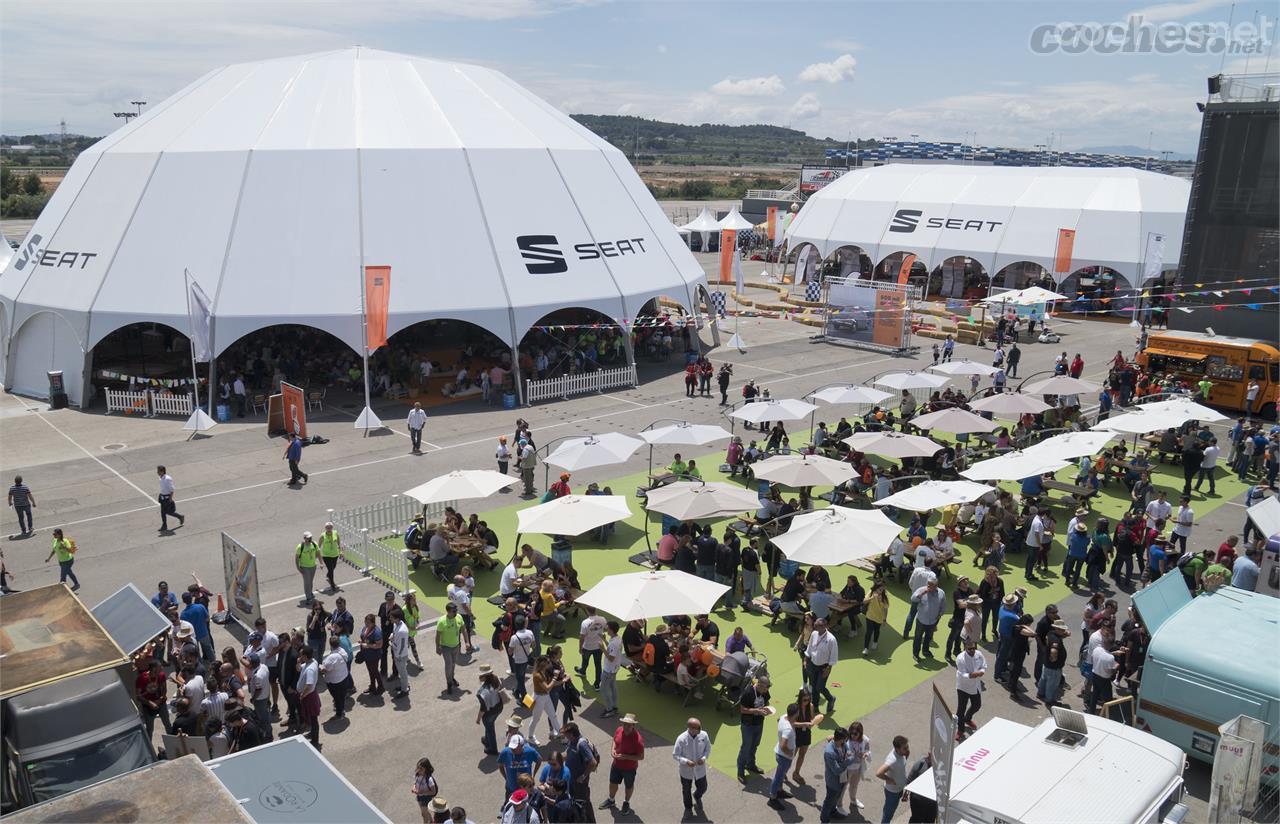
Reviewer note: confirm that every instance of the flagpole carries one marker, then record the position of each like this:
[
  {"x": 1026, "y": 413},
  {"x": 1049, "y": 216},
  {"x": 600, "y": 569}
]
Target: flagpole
[{"x": 191, "y": 343}]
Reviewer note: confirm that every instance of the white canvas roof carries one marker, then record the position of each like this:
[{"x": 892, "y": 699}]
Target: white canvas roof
[
  {"x": 998, "y": 215},
  {"x": 734, "y": 220},
  {"x": 275, "y": 182},
  {"x": 704, "y": 222}
]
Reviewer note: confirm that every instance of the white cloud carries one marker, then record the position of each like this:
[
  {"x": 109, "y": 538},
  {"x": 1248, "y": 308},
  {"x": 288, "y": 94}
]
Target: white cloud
[
  {"x": 841, "y": 45},
  {"x": 1175, "y": 11},
  {"x": 842, "y": 68},
  {"x": 770, "y": 86},
  {"x": 1144, "y": 78},
  {"x": 662, "y": 48},
  {"x": 807, "y": 107}
]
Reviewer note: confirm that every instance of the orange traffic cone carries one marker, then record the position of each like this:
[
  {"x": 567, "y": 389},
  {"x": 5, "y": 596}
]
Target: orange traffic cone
[{"x": 221, "y": 606}]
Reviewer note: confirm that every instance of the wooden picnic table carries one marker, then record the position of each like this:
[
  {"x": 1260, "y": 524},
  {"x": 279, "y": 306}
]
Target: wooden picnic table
[{"x": 1081, "y": 494}]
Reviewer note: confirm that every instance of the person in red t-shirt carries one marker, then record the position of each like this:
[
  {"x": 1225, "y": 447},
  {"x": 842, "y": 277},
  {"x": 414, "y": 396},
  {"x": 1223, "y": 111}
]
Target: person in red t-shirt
[
  {"x": 151, "y": 690},
  {"x": 628, "y": 752},
  {"x": 1077, "y": 366},
  {"x": 561, "y": 487},
  {"x": 1227, "y": 552}
]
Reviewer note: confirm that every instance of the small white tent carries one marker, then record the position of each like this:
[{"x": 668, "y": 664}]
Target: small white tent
[
  {"x": 734, "y": 220},
  {"x": 274, "y": 183}
]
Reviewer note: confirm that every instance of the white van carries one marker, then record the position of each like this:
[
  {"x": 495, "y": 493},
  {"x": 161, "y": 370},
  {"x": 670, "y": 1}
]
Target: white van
[{"x": 1009, "y": 773}]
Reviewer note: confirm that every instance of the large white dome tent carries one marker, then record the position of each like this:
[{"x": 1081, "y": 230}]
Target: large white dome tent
[
  {"x": 274, "y": 183},
  {"x": 996, "y": 218}
]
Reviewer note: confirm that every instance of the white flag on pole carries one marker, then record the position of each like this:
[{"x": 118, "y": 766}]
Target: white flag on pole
[
  {"x": 738, "y": 280},
  {"x": 1154, "y": 259},
  {"x": 199, "y": 308}
]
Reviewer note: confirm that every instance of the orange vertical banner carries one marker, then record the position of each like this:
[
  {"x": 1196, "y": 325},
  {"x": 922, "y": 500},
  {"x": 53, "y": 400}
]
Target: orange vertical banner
[
  {"x": 1066, "y": 243},
  {"x": 905, "y": 271},
  {"x": 377, "y": 302},
  {"x": 728, "y": 248},
  {"x": 772, "y": 226},
  {"x": 295, "y": 409}
]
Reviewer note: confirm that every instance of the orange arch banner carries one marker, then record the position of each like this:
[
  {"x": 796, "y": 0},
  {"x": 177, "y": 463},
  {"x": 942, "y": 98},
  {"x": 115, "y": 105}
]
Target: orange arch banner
[{"x": 905, "y": 271}]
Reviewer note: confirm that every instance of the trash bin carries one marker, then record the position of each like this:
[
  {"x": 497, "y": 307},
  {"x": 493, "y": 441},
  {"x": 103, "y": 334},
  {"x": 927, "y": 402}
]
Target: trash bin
[
  {"x": 224, "y": 413},
  {"x": 57, "y": 391},
  {"x": 509, "y": 400}
]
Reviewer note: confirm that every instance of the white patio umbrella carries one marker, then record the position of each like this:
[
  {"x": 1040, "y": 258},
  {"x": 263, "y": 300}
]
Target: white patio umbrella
[
  {"x": 1140, "y": 423},
  {"x": 784, "y": 409},
  {"x": 803, "y": 470},
  {"x": 1009, "y": 403},
  {"x": 685, "y": 434},
  {"x": 1025, "y": 297},
  {"x": 1013, "y": 466},
  {"x": 911, "y": 380},
  {"x": 893, "y": 444},
  {"x": 953, "y": 420},
  {"x": 573, "y": 514},
  {"x": 1185, "y": 406},
  {"x": 693, "y": 501},
  {"x": 1061, "y": 385},
  {"x": 964, "y": 367},
  {"x": 637, "y": 595},
  {"x": 851, "y": 394},
  {"x": 837, "y": 535},
  {"x": 594, "y": 450},
  {"x": 460, "y": 484},
  {"x": 934, "y": 495},
  {"x": 1071, "y": 445}
]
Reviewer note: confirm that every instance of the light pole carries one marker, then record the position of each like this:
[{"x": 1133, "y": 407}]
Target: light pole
[
  {"x": 139, "y": 104},
  {"x": 126, "y": 115}
]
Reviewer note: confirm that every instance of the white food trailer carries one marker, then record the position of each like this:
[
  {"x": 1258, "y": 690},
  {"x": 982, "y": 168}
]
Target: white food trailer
[{"x": 1076, "y": 769}]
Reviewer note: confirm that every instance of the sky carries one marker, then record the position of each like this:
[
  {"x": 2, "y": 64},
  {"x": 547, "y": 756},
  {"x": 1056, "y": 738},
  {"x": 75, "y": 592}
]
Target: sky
[{"x": 941, "y": 70}]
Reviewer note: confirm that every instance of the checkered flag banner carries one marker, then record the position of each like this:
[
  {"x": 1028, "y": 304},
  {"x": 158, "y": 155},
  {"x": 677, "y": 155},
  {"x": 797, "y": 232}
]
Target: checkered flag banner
[
  {"x": 717, "y": 304},
  {"x": 813, "y": 291}
]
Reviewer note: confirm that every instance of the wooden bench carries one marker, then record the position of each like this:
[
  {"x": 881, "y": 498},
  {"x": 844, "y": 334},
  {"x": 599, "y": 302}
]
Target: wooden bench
[{"x": 689, "y": 692}]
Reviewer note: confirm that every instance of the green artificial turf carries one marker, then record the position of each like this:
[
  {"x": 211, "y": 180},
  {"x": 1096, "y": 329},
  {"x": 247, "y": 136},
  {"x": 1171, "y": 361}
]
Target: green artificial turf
[{"x": 860, "y": 684}]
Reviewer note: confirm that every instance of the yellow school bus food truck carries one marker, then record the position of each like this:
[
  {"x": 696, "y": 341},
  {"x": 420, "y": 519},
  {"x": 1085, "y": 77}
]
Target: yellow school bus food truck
[{"x": 1229, "y": 363}]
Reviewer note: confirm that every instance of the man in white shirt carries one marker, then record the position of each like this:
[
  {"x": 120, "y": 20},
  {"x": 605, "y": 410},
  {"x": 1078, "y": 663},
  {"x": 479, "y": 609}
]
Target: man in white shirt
[
  {"x": 527, "y": 461},
  {"x": 193, "y": 688},
  {"x": 1160, "y": 508},
  {"x": 919, "y": 577},
  {"x": 1035, "y": 537},
  {"x": 971, "y": 666},
  {"x": 613, "y": 653},
  {"x": 1209, "y": 465},
  {"x": 308, "y": 699},
  {"x": 821, "y": 654},
  {"x": 259, "y": 689},
  {"x": 591, "y": 644},
  {"x": 269, "y": 649},
  {"x": 416, "y": 421},
  {"x": 400, "y": 650},
  {"x": 167, "y": 505},
  {"x": 784, "y": 753},
  {"x": 1104, "y": 669},
  {"x": 691, "y": 751},
  {"x": 335, "y": 670},
  {"x": 520, "y": 648},
  {"x": 509, "y": 582},
  {"x": 1183, "y": 522},
  {"x": 242, "y": 399},
  {"x": 460, "y": 597}
]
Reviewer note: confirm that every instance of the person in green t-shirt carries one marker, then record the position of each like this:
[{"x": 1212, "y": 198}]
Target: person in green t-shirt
[
  {"x": 412, "y": 612},
  {"x": 1193, "y": 570},
  {"x": 65, "y": 549},
  {"x": 678, "y": 467},
  {"x": 330, "y": 552},
  {"x": 304, "y": 558},
  {"x": 448, "y": 640},
  {"x": 1203, "y": 388}
]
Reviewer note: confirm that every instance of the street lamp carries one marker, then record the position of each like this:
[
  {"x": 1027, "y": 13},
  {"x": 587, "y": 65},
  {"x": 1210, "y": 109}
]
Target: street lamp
[
  {"x": 126, "y": 115},
  {"x": 139, "y": 104}
]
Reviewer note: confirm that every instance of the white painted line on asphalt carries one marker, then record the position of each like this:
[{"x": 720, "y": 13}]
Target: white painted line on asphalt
[
  {"x": 302, "y": 595},
  {"x": 627, "y": 400},
  {"x": 76, "y": 444},
  {"x": 766, "y": 369}
]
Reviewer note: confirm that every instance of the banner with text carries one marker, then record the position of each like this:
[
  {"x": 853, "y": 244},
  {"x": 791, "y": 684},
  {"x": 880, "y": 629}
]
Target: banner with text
[
  {"x": 728, "y": 251},
  {"x": 295, "y": 409},
  {"x": 377, "y": 303},
  {"x": 1066, "y": 244},
  {"x": 813, "y": 178}
]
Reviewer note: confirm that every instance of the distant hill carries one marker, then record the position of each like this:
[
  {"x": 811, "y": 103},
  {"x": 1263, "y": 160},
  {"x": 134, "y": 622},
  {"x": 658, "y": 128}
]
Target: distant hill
[
  {"x": 654, "y": 141},
  {"x": 1135, "y": 151}
]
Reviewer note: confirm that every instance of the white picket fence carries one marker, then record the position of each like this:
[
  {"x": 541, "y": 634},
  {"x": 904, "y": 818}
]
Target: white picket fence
[
  {"x": 580, "y": 384},
  {"x": 167, "y": 403},
  {"x": 371, "y": 536},
  {"x": 148, "y": 403},
  {"x": 129, "y": 402}
]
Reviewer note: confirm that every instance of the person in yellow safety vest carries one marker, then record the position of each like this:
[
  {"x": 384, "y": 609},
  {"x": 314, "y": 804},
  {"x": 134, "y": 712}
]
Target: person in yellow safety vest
[
  {"x": 412, "y": 612},
  {"x": 65, "y": 549},
  {"x": 330, "y": 551},
  {"x": 304, "y": 558}
]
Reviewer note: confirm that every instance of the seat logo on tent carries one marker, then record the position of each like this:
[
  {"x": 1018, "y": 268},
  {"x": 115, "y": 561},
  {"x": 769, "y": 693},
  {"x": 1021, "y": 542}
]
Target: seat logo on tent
[
  {"x": 906, "y": 220},
  {"x": 33, "y": 254},
  {"x": 542, "y": 253}
]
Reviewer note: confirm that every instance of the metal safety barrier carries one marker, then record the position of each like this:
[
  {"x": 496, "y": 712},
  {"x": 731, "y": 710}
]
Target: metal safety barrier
[
  {"x": 167, "y": 403},
  {"x": 581, "y": 383},
  {"x": 129, "y": 402},
  {"x": 371, "y": 536}
]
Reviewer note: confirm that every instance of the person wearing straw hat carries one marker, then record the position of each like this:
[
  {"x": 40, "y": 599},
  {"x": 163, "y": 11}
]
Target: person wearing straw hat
[
  {"x": 628, "y": 752},
  {"x": 438, "y": 809}
]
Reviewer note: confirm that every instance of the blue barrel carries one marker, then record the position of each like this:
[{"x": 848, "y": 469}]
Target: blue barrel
[
  {"x": 509, "y": 400},
  {"x": 224, "y": 413},
  {"x": 787, "y": 568}
]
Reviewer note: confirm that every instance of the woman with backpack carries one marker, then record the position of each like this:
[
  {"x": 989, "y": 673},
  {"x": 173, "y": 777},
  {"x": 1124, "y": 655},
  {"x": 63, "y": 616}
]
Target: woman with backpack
[{"x": 425, "y": 788}]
